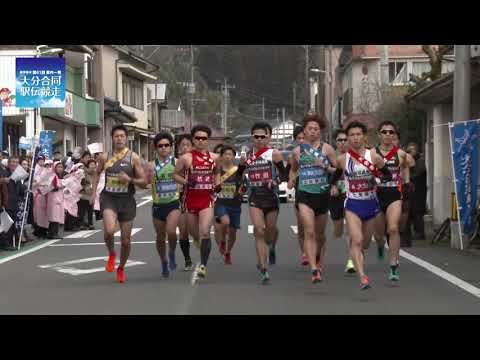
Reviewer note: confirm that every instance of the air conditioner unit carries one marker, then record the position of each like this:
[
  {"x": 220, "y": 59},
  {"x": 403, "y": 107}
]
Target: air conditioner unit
[{"x": 475, "y": 51}]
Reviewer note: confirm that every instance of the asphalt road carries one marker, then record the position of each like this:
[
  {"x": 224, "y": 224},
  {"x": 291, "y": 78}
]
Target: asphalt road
[{"x": 67, "y": 277}]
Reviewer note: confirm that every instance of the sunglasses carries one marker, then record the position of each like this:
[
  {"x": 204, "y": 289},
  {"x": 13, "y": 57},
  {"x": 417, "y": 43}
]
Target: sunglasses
[
  {"x": 342, "y": 140},
  {"x": 201, "y": 138},
  {"x": 260, "y": 137},
  {"x": 161, "y": 146},
  {"x": 389, "y": 132}
]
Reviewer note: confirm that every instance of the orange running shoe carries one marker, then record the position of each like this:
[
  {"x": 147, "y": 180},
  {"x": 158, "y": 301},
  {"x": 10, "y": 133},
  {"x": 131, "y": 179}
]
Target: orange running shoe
[
  {"x": 228, "y": 259},
  {"x": 110, "y": 267},
  {"x": 121, "y": 275},
  {"x": 364, "y": 284},
  {"x": 316, "y": 276}
]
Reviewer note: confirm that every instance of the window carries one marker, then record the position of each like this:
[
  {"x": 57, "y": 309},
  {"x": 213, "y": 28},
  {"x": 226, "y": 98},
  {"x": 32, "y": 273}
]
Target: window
[
  {"x": 132, "y": 92},
  {"x": 418, "y": 68},
  {"x": 397, "y": 72}
]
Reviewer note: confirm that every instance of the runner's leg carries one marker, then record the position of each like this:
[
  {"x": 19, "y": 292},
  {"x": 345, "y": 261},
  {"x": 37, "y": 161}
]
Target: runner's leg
[
  {"x": 379, "y": 229},
  {"x": 300, "y": 233},
  {"x": 271, "y": 234},
  {"x": 394, "y": 213},
  {"x": 109, "y": 222},
  {"x": 258, "y": 221},
  {"x": 171, "y": 227},
  {"x": 160, "y": 238},
  {"x": 126, "y": 232},
  {"x": 354, "y": 226},
  {"x": 205, "y": 218},
  {"x": 307, "y": 217},
  {"x": 320, "y": 225}
]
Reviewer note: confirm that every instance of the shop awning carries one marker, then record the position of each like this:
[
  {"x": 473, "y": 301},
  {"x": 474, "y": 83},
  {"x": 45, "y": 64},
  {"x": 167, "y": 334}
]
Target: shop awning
[{"x": 135, "y": 72}]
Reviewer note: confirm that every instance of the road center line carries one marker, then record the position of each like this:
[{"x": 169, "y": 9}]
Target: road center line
[{"x": 29, "y": 251}]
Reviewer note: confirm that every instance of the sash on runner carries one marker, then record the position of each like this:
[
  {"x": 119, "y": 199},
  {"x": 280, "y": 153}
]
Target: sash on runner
[
  {"x": 315, "y": 152},
  {"x": 228, "y": 174},
  {"x": 255, "y": 156},
  {"x": 207, "y": 160},
  {"x": 117, "y": 157},
  {"x": 160, "y": 165},
  {"x": 391, "y": 153},
  {"x": 365, "y": 163}
]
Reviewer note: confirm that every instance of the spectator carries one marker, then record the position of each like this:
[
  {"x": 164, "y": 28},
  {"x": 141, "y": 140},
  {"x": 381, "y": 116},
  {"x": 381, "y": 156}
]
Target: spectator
[
  {"x": 418, "y": 198},
  {"x": 85, "y": 158},
  {"x": 57, "y": 156},
  {"x": 40, "y": 219},
  {"x": 84, "y": 207},
  {"x": 4, "y": 180},
  {"x": 16, "y": 197},
  {"x": 55, "y": 207},
  {"x": 5, "y": 156}
]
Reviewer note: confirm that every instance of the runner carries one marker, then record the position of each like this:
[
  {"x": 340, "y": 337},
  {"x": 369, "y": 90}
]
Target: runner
[
  {"x": 228, "y": 206},
  {"x": 122, "y": 172},
  {"x": 200, "y": 164},
  {"x": 361, "y": 207},
  {"x": 299, "y": 137},
  {"x": 166, "y": 205},
  {"x": 337, "y": 201},
  {"x": 314, "y": 159},
  {"x": 265, "y": 168},
  {"x": 182, "y": 147},
  {"x": 220, "y": 244},
  {"x": 390, "y": 197}
]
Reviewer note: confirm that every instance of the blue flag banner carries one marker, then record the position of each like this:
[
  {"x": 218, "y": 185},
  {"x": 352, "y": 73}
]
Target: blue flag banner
[
  {"x": 40, "y": 82},
  {"x": 1, "y": 125},
  {"x": 465, "y": 160},
  {"x": 46, "y": 143}
]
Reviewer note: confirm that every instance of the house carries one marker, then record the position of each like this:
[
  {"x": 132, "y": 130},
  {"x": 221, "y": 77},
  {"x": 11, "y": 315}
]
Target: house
[
  {"x": 358, "y": 84},
  {"x": 436, "y": 98},
  {"x": 125, "y": 77}
]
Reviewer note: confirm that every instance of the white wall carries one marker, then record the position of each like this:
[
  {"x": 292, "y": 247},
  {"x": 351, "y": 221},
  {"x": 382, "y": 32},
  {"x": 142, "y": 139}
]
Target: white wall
[
  {"x": 141, "y": 115},
  {"x": 109, "y": 72}
]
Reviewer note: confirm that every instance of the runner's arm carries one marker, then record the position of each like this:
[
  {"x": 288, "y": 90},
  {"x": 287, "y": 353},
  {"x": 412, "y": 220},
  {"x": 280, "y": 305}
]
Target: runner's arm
[
  {"x": 139, "y": 172},
  {"x": 278, "y": 162},
  {"x": 293, "y": 169},
  {"x": 179, "y": 169},
  {"x": 332, "y": 157},
  {"x": 379, "y": 162}
]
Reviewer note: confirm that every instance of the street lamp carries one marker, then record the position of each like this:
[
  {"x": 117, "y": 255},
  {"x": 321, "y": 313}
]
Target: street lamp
[{"x": 317, "y": 71}]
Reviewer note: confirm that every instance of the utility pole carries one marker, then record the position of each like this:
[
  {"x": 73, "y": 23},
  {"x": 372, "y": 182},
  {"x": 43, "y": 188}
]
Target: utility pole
[
  {"x": 461, "y": 112},
  {"x": 307, "y": 82},
  {"x": 225, "y": 104},
  {"x": 384, "y": 80},
  {"x": 263, "y": 109},
  {"x": 192, "y": 87},
  {"x": 294, "y": 100}
]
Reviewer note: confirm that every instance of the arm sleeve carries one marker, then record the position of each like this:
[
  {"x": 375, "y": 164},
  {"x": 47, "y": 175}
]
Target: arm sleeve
[
  {"x": 336, "y": 176},
  {"x": 283, "y": 174}
]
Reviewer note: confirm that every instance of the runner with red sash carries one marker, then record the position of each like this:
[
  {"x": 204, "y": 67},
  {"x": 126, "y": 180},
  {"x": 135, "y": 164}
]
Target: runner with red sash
[
  {"x": 265, "y": 170},
  {"x": 200, "y": 184},
  {"x": 390, "y": 197},
  {"x": 361, "y": 168}
]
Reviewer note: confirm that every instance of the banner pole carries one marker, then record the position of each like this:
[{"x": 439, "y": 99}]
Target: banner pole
[
  {"x": 26, "y": 198},
  {"x": 450, "y": 127}
]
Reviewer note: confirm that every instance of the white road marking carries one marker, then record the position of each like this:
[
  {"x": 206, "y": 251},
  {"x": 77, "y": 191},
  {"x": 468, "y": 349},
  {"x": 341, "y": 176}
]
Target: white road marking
[
  {"x": 441, "y": 273},
  {"x": 144, "y": 202},
  {"x": 294, "y": 229},
  {"x": 178, "y": 231},
  {"x": 147, "y": 197},
  {"x": 134, "y": 231},
  {"x": 64, "y": 267},
  {"x": 82, "y": 234},
  {"x": 101, "y": 243},
  {"x": 250, "y": 229},
  {"x": 29, "y": 251}
]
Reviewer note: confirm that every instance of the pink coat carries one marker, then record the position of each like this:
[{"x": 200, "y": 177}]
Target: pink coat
[
  {"x": 40, "y": 210},
  {"x": 55, "y": 206}
]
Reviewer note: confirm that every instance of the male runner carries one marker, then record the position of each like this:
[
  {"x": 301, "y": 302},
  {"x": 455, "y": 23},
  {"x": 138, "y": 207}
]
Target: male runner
[
  {"x": 200, "y": 185},
  {"x": 299, "y": 137},
  {"x": 390, "y": 197},
  {"x": 361, "y": 167},
  {"x": 265, "y": 169},
  {"x": 337, "y": 200},
  {"x": 314, "y": 159},
  {"x": 123, "y": 171},
  {"x": 183, "y": 146},
  {"x": 228, "y": 206},
  {"x": 166, "y": 205}
]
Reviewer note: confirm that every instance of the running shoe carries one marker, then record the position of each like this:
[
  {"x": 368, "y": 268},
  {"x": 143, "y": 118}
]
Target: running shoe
[
  {"x": 316, "y": 276},
  {"x": 381, "y": 253},
  {"x": 304, "y": 260},
  {"x": 350, "y": 268},
  {"x": 110, "y": 267},
  {"x": 195, "y": 276},
  {"x": 272, "y": 257},
  {"x": 202, "y": 271},
  {"x": 364, "y": 284},
  {"x": 165, "y": 272},
  {"x": 171, "y": 260},
  {"x": 228, "y": 259},
  {"x": 222, "y": 247},
  {"x": 121, "y": 275},
  {"x": 393, "y": 274},
  {"x": 264, "y": 277},
  {"x": 188, "y": 265}
]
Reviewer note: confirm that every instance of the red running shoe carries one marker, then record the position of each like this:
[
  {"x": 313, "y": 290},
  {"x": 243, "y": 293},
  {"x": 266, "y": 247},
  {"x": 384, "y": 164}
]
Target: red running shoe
[
  {"x": 222, "y": 247},
  {"x": 110, "y": 267},
  {"x": 228, "y": 259},
  {"x": 121, "y": 275}
]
